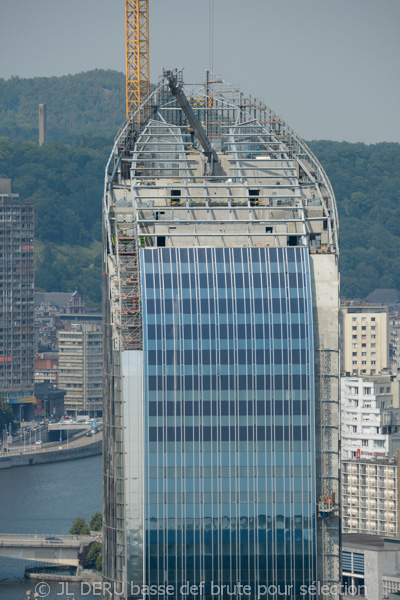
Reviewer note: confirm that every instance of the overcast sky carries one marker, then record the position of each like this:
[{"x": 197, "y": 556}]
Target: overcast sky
[{"x": 330, "y": 68}]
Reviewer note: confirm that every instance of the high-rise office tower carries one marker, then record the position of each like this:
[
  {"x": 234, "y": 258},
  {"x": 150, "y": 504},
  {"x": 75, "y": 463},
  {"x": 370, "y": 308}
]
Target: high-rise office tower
[
  {"x": 221, "y": 315},
  {"x": 16, "y": 301}
]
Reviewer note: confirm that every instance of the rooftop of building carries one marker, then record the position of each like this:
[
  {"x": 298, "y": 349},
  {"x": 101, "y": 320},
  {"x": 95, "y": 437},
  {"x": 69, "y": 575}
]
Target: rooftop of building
[
  {"x": 376, "y": 460},
  {"x": 383, "y": 296},
  {"x": 58, "y": 299},
  {"x": 361, "y": 541},
  {"x": 383, "y": 376},
  {"x": 364, "y": 308}
]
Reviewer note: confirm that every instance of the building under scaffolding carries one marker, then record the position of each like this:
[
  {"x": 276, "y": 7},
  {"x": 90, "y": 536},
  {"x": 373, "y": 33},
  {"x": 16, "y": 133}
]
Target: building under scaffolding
[{"x": 221, "y": 297}]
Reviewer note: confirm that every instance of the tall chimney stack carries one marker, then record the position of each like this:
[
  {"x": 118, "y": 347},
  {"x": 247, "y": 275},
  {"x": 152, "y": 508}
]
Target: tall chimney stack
[{"x": 42, "y": 124}]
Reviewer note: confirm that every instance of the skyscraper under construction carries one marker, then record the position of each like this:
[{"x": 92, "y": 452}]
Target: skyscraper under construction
[
  {"x": 221, "y": 299},
  {"x": 16, "y": 301}
]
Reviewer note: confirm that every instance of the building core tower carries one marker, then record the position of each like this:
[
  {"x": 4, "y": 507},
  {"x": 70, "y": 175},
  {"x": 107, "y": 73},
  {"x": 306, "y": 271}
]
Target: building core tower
[{"x": 221, "y": 302}]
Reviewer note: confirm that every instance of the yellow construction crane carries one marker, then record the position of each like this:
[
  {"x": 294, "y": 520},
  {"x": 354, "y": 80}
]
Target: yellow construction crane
[{"x": 137, "y": 53}]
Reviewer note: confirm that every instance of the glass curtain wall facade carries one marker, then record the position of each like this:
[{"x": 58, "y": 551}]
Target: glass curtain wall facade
[{"x": 229, "y": 419}]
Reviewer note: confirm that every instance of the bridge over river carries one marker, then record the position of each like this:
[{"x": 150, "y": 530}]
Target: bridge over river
[{"x": 55, "y": 549}]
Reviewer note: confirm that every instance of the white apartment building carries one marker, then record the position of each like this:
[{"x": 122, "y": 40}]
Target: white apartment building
[
  {"x": 361, "y": 432},
  {"x": 365, "y": 339},
  {"x": 81, "y": 368},
  {"x": 370, "y": 496}
]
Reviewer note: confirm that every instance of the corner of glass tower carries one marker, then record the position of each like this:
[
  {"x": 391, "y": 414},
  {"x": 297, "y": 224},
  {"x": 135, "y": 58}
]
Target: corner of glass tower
[{"x": 221, "y": 299}]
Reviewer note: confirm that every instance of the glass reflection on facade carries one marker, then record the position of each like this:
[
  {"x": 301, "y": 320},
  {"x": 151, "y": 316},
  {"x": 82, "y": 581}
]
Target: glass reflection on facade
[{"x": 229, "y": 418}]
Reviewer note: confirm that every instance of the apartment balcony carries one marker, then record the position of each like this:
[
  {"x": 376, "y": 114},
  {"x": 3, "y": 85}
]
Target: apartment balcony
[
  {"x": 389, "y": 494},
  {"x": 352, "y": 469}
]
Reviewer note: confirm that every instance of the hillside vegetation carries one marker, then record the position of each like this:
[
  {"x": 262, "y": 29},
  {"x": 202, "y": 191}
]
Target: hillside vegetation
[
  {"x": 64, "y": 178},
  {"x": 366, "y": 181},
  {"x": 65, "y": 184},
  {"x": 86, "y": 109}
]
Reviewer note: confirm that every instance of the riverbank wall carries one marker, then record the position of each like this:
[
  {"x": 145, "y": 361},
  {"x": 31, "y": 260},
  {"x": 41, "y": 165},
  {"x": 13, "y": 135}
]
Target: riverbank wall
[{"x": 50, "y": 456}]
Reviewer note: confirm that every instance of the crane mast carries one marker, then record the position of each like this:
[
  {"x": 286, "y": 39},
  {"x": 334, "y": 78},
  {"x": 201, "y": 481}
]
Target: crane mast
[{"x": 137, "y": 53}]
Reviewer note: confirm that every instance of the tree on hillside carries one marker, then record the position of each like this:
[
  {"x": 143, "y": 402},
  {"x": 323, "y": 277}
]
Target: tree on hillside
[{"x": 79, "y": 527}]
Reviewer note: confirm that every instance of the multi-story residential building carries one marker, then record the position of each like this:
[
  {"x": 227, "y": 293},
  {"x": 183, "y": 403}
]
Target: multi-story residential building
[
  {"x": 365, "y": 339},
  {"x": 369, "y": 414},
  {"x": 221, "y": 318},
  {"x": 370, "y": 496},
  {"x": 394, "y": 342},
  {"x": 80, "y": 367},
  {"x": 16, "y": 301}
]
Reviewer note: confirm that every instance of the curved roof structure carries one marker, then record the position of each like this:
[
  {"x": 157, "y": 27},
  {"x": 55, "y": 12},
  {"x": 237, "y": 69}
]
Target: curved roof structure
[{"x": 224, "y": 159}]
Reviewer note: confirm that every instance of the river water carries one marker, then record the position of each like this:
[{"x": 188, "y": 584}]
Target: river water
[{"x": 46, "y": 499}]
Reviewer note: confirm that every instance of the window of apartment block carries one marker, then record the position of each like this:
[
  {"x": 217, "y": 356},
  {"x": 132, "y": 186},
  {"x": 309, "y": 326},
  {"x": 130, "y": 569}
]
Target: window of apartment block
[
  {"x": 372, "y": 318},
  {"x": 354, "y": 345},
  {"x": 363, "y": 328},
  {"x": 364, "y": 442},
  {"x": 364, "y": 362},
  {"x": 354, "y": 327},
  {"x": 373, "y": 337},
  {"x": 373, "y": 327},
  {"x": 354, "y": 337},
  {"x": 354, "y": 362},
  {"x": 354, "y": 354}
]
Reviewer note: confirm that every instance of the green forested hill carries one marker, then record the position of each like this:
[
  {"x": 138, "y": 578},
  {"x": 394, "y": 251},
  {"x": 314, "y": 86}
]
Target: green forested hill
[
  {"x": 82, "y": 109},
  {"x": 366, "y": 182},
  {"x": 64, "y": 179},
  {"x": 65, "y": 184}
]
